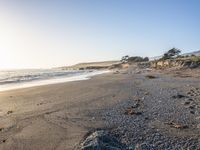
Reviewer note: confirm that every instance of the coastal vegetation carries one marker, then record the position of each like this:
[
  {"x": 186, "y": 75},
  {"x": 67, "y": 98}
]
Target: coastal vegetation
[
  {"x": 172, "y": 53},
  {"x": 127, "y": 59},
  {"x": 172, "y": 58}
]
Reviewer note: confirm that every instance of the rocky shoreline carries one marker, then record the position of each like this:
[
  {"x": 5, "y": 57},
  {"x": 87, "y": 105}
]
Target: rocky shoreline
[{"x": 159, "y": 113}]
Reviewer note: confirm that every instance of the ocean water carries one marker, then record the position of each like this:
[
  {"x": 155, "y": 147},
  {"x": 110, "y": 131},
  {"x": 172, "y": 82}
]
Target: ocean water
[{"x": 14, "y": 79}]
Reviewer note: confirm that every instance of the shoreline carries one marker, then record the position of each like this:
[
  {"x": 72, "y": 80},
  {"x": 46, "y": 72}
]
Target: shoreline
[
  {"x": 30, "y": 113},
  {"x": 36, "y": 83}
]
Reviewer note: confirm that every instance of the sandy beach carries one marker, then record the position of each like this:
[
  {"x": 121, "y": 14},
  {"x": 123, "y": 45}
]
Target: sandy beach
[
  {"x": 57, "y": 117},
  {"x": 99, "y": 75}
]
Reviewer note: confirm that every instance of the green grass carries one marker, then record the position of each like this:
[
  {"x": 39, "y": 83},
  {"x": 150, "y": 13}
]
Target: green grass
[
  {"x": 195, "y": 58},
  {"x": 191, "y": 58}
]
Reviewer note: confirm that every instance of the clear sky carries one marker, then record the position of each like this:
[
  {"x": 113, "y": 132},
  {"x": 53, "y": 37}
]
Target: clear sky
[{"x": 50, "y": 33}]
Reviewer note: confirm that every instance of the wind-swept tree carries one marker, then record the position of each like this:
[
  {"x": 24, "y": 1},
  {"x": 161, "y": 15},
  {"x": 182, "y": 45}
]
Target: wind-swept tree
[
  {"x": 171, "y": 53},
  {"x": 125, "y": 59}
]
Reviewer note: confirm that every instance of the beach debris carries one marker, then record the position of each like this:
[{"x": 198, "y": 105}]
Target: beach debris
[
  {"x": 187, "y": 103},
  {"x": 39, "y": 104},
  {"x": 192, "y": 112},
  {"x": 150, "y": 76},
  {"x": 9, "y": 112},
  {"x": 137, "y": 99},
  {"x": 1, "y": 129},
  {"x": 178, "y": 96},
  {"x": 176, "y": 125},
  {"x": 135, "y": 105},
  {"x": 100, "y": 140},
  {"x": 190, "y": 99},
  {"x": 4, "y": 141},
  {"x": 131, "y": 111},
  {"x": 192, "y": 107}
]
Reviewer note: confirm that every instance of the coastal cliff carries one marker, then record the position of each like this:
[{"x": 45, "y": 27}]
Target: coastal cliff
[{"x": 193, "y": 62}]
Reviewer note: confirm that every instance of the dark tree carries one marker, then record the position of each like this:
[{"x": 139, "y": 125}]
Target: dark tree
[
  {"x": 135, "y": 59},
  {"x": 125, "y": 59},
  {"x": 146, "y": 59},
  {"x": 171, "y": 53}
]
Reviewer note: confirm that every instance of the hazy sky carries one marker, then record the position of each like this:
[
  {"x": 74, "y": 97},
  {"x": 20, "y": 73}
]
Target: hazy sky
[{"x": 49, "y": 33}]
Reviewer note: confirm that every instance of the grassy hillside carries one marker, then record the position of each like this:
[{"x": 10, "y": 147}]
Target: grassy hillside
[{"x": 92, "y": 65}]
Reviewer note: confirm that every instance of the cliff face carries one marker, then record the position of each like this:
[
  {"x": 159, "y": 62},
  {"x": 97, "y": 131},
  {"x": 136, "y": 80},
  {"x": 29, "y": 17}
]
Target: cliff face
[{"x": 162, "y": 64}]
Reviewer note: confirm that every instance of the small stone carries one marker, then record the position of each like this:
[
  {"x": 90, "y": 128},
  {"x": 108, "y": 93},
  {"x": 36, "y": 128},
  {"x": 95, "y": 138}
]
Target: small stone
[
  {"x": 138, "y": 113},
  {"x": 192, "y": 90},
  {"x": 187, "y": 103},
  {"x": 178, "y": 96},
  {"x": 150, "y": 76},
  {"x": 137, "y": 147},
  {"x": 140, "y": 138},
  {"x": 144, "y": 146},
  {"x": 198, "y": 126},
  {"x": 192, "y": 107},
  {"x": 135, "y": 105},
  {"x": 192, "y": 112},
  {"x": 9, "y": 112},
  {"x": 130, "y": 148}
]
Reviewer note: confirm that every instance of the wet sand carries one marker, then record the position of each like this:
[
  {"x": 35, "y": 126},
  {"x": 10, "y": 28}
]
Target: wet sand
[
  {"x": 56, "y": 117},
  {"x": 53, "y": 116}
]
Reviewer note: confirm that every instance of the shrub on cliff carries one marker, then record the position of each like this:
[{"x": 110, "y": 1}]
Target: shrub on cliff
[
  {"x": 146, "y": 59},
  {"x": 127, "y": 59},
  {"x": 174, "y": 52}
]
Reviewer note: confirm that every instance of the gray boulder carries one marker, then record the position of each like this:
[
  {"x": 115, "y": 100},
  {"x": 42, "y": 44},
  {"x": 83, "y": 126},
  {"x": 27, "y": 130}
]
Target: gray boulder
[{"x": 101, "y": 140}]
